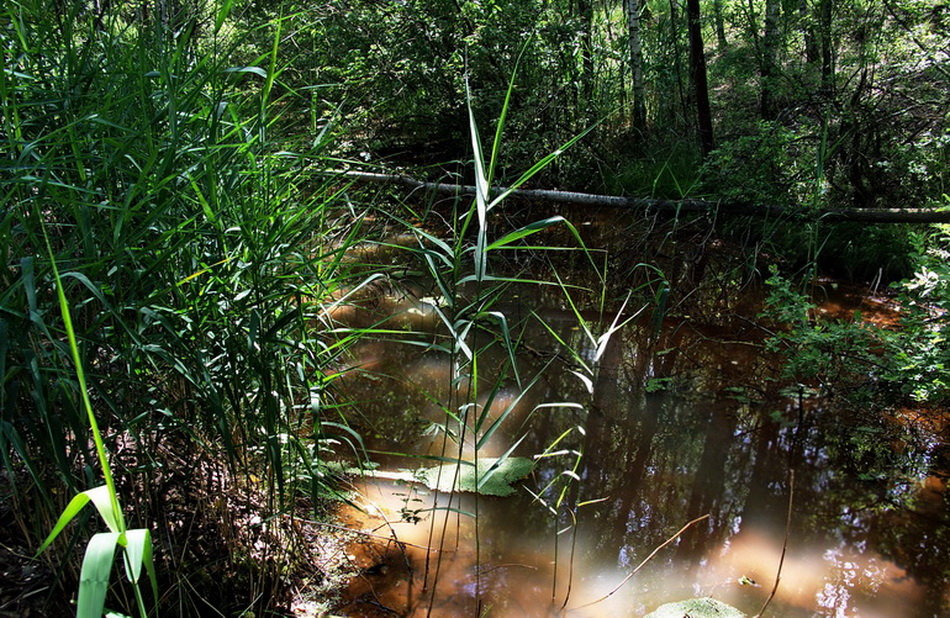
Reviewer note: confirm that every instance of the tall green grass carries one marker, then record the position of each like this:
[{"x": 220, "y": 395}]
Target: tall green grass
[
  {"x": 196, "y": 254},
  {"x": 482, "y": 342}
]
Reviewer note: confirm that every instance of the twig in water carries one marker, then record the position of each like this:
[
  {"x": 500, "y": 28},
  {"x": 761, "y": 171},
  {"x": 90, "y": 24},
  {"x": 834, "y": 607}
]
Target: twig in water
[
  {"x": 645, "y": 560},
  {"x": 366, "y": 533},
  {"x": 570, "y": 572},
  {"x": 788, "y": 525},
  {"x": 505, "y": 565}
]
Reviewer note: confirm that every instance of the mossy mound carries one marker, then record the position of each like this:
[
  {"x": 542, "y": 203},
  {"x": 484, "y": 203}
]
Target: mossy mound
[{"x": 704, "y": 607}]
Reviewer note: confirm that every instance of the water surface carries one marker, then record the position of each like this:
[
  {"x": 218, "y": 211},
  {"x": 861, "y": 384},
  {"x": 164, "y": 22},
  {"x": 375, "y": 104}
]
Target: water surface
[{"x": 687, "y": 417}]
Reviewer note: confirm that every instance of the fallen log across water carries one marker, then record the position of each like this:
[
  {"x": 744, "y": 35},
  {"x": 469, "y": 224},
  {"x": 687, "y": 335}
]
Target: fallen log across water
[{"x": 864, "y": 215}]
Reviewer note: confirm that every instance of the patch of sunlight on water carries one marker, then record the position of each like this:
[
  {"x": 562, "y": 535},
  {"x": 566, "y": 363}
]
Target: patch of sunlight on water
[
  {"x": 513, "y": 581},
  {"x": 516, "y": 578}
]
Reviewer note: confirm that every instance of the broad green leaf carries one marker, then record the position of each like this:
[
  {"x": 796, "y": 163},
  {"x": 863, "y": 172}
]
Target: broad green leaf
[
  {"x": 138, "y": 551},
  {"x": 106, "y": 506},
  {"x": 135, "y": 550},
  {"x": 504, "y": 470},
  {"x": 94, "y": 578},
  {"x": 100, "y": 498},
  {"x": 72, "y": 509},
  {"x": 495, "y": 476}
]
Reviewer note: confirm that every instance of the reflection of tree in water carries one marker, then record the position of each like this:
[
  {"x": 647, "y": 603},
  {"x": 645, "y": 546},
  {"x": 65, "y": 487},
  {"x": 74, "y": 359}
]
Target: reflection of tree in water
[
  {"x": 662, "y": 459},
  {"x": 866, "y": 479}
]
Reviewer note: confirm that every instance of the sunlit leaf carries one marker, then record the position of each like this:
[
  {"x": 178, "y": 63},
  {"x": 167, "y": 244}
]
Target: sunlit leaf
[
  {"x": 103, "y": 503},
  {"x": 94, "y": 577}
]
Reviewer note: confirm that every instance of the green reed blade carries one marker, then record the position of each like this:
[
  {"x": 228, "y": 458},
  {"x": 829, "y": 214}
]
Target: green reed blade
[{"x": 94, "y": 577}]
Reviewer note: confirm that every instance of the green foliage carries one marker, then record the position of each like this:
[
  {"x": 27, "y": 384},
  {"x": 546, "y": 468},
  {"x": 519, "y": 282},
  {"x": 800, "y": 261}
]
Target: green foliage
[
  {"x": 196, "y": 255},
  {"x": 862, "y": 252},
  {"x": 766, "y": 162},
  {"x": 839, "y": 357},
  {"x": 785, "y": 304},
  {"x": 658, "y": 170},
  {"x": 921, "y": 352},
  {"x": 859, "y": 360}
]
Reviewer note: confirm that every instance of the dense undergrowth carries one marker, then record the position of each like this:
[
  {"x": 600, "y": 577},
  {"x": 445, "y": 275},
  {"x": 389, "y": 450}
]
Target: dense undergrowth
[{"x": 195, "y": 256}]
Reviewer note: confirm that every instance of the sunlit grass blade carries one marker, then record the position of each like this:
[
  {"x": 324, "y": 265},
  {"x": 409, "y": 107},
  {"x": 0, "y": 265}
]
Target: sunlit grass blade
[
  {"x": 94, "y": 578},
  {"x": 507, "y": 341},
  {"x": 575, "y": 355},
  {"x": 482, "y": 189},
  {"x": 100, "y": 497},
  {"x": 524, "y": 232},
  {"x": 538, "y": 167},
  {"x": 138, "y": 552},
  {"x": 501, "y": 418},
  {"x": 615, "y": 325},
  {"x": 503, "y": 465},
  {"x": 115, "y": 519},
  {"x": 72, "y": 509},
  {"x": 503, "y": 114}
]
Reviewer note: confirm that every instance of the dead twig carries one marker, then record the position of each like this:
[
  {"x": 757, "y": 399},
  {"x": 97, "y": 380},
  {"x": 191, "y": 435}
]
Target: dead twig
[
  {"x": 640, "y": 566},
  {"x": 788, "y": 525},
  {"x": 381, "y": 537}
]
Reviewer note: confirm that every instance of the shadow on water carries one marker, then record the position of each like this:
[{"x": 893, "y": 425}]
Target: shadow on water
[{"x": 683, "y": 420}]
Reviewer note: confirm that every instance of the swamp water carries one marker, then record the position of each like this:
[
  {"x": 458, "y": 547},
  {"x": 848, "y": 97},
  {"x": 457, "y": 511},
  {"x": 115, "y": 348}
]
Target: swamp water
[{"x": 681, "y": 419}]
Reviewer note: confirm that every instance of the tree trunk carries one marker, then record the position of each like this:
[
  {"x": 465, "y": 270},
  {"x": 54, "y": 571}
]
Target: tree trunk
[
  {"x": 811, "y": 43},
  {"x": 697, "y": 66},
  {"x": 721, "y": 41},
  {"x": 827, "y": 48},
  {"x": 636, "y": 63},
  {"x": 677, "y": 64},
  {"x": 769, "y": 67}
]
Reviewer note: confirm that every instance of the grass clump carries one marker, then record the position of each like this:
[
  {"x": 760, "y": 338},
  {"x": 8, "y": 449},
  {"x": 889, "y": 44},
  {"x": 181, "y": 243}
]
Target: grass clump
[{"x": 195, "y": 254}]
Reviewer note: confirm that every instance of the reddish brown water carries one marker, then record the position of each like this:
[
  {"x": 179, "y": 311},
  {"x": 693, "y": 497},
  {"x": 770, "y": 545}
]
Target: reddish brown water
[{"x": 684, "y": 420}]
